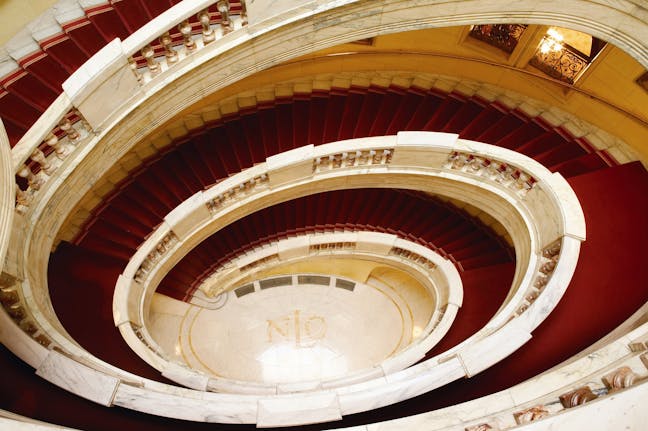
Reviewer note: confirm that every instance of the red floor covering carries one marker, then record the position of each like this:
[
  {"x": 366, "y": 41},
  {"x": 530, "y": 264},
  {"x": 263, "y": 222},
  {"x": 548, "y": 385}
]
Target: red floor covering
[{"x": 608, "y": 286}]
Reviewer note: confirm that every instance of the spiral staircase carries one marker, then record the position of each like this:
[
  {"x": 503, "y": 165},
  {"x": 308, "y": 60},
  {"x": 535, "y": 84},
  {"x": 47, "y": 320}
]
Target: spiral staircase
[{"x": 159, "y": 167}]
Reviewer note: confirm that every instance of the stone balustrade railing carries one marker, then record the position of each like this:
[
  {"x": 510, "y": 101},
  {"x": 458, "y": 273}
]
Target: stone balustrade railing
[
  {"x": 63, "y": 128},
  {"x": 244, "y": 263},
  {"x": 441, "y": 279},
  {"x": 545, "y": 213},
  {"x": 615, "y": 369},
  {"x": 120, "y": 110},
  {"x": 95, "y": 385}
]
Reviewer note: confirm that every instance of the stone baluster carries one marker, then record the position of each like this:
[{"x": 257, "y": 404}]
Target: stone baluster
[
  {"x": 244, "y": 16},
  {"x": 532, "y": 296},
  {"x": 577, "y": 397},
  {"x": 170, "y": 53},
  {"x": 185, "y": 30},
  {"x": 223, "y": 7},
  {"x": 476, "y": 164},
  {"x": 132, "y": 64},
  {"x": 504, "y": 174},
  {"x": 620, "y": 378},
  {"x": 82, "y": 121},
  {"x": 540, "y": 281},
  {"x": 337, "y": 160},
  {"x": 480, "y": 427},
  {"x": 363, "y": 157},
  {"x": 548, "y": 267},
  {"x": 208, "y": 34},
  {"x": 387, "y": 156},
  {"x": 551, "y": 250},
  {"x": 458, "y": 160},
  {"x": 60, "y": 149},
  {"x": 71, "y": 133},
  {"x": 350, "y": 159},
  {"x": 23, "y": 200},
  {"x": 375, "y": 157},
  {"x": 531, "y": 414},
  {"x": 149, "y": 54},
  {"x": 39, "y": 157},
  {"x": 34, "y": 181},
  {"x": 263, "y": 178}
]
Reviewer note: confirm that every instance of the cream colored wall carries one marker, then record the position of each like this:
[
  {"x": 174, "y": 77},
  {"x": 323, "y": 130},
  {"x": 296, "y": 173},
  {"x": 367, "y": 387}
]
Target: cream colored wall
[
  {"x": 606, "y": 94},
  {"x": 16, "y": 14}
]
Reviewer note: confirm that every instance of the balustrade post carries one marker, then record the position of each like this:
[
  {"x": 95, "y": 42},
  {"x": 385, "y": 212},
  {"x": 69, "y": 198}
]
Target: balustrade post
[
  {"x": 60, "y": 150},
  {"x": 133, "y": 67},
  {"x": 34, "y": 181},
  {"x": 170, "y": 53},
  {"x": 208, "y": 34},
  {"x": 39, "y": 157},
  {"x": 185, "y": 30},
  {"x": 244, "y": 16},
  {"x": 224, "y": 9},
  {"x": 149, "y": 54},
  {"x": 71, "y": 132}
]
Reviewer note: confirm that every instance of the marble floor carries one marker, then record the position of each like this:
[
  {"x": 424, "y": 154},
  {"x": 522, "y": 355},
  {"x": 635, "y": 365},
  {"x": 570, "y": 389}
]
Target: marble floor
[{"x": 298, "y": 332}]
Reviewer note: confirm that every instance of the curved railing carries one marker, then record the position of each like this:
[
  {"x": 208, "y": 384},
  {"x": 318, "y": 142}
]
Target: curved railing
[
  {"x": 72, "y": 119},
  {"x": 100, "y": 132},
  {"x": 538, "y": 209},
  {"x": 117, "y": 109},
  {"x": 437, "y": 274}
]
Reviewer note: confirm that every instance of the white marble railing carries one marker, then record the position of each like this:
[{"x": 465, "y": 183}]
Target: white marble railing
[
  {"x": 63, "y": 127},
  {"x": 6, "y": 195},
  {"x": 249, "y": 262},
  {"x": 119, "y": 110},
  {"x": 622, "y": 29},
  {"x": 439, "y": 276},
  {"x": 619, "y": 368},
  {"x": 535, "y": 218}
]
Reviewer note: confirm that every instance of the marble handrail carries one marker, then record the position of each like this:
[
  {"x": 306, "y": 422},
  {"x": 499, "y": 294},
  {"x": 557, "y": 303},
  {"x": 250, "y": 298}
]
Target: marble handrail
[
  {"x": 6, "y": 193},
  {"x": 442, "y": 282},
  {"x": 414, "y": 154},
  {"x": 122, "y": 118},
  {"x": 631, "y": 41},
  {"x": 244, "y": 265},
  {"x": 62, "y": 127},
  {"x": 617, "y": 367}
]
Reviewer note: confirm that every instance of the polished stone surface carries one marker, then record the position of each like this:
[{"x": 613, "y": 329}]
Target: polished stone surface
[{"x": 297, "y": 332}]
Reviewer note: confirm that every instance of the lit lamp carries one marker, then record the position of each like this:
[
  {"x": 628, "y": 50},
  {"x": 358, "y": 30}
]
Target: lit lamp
[{"x": 551, "y": 42}]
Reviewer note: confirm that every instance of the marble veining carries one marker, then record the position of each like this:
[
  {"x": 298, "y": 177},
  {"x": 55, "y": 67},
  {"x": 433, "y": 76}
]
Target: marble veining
[{"x": 77, "y": 378}]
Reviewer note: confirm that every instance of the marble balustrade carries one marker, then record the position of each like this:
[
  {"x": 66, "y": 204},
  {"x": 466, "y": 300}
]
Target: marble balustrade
[
  {"x": 437, "y": 274},
  {"x": 63, "y": 127},
  {"x": 118, "y": 119},
  {"x": 632, "y": 44},
  {"x": 429, "y": 152}
]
